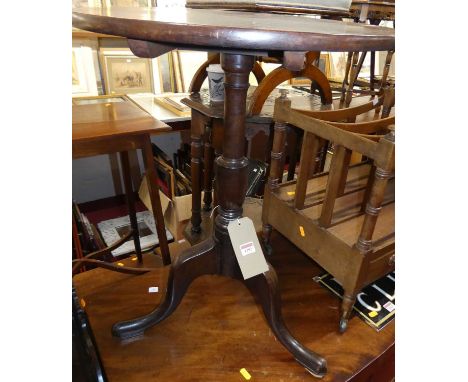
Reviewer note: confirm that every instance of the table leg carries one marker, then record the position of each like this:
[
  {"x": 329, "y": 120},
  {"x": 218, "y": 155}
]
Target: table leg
[
  {"x": 152, "y": 181},
  {"x": 130, "y": 202},
  {"x": 190, "y": 264}
]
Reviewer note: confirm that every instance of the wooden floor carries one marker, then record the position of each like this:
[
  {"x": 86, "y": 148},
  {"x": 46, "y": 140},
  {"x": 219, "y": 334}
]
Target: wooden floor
[{"x": 218, "y": 329}]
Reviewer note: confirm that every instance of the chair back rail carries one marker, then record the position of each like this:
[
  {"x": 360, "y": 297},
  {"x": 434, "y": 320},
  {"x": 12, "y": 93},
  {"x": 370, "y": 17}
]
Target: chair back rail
[
  {"x": 281, "y": 74},
  {"x": 348, "y": 114}
]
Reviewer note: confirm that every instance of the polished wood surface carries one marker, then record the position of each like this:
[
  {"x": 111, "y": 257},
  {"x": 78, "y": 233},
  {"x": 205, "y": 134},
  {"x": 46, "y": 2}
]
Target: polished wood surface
[
  {"x": 226, "y": 30},
  {"x": 112, "y": 119},
  {"x": 208, "y": 338}
]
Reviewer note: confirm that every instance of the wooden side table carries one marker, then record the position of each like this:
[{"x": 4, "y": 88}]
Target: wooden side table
[{"x": 111, "y": 124}]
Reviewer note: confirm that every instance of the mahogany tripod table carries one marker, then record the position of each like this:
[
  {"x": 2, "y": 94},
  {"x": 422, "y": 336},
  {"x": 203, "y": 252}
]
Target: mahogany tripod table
[{"x": 239, "y": 36}]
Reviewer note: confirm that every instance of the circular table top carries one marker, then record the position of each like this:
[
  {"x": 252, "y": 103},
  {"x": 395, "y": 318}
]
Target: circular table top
[{"x": 233, "y": 30}]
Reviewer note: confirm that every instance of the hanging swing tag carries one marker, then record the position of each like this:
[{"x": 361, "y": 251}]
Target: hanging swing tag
[{"x": 247, "y": 248}]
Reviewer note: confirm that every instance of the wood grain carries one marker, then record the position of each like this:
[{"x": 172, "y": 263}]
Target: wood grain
[
  {"x": 227, "y": 30},
  {"x": 218, "y": 330}
]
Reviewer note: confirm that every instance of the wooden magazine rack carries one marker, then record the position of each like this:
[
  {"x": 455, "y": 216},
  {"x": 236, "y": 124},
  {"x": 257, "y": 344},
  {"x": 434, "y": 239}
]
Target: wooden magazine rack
[{"x": 342, "y": 219}]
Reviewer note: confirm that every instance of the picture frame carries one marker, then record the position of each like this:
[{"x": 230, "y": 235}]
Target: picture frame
[
  {"x": 84, "y": 82},
  {"x": 149, "y": 67},
  {"x": 177, "y": 69},
  {"x": 126, "y": 75},
  {"x": 338, "y": 65},
  {"x": 166, "y": 73}
]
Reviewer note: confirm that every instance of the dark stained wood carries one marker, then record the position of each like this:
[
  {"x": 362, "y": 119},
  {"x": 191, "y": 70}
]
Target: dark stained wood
[
  {"x": 208, "y": 157},
  {"x": 217, "y": 330},
  {"x": 201, "y": 74},
  {"x": 196, "y": 131},
  {"x": 224, "y": 30},
  {"x": 206, "y": 113}
]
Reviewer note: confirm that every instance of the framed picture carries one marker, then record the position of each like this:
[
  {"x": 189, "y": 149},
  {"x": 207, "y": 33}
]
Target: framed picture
[
  {"x": 166, "y": 73},
  {"x": 338, "y": 65},
  {"x": 128, "y": 75},
  {"x": 84, "y": 81},
  {"x": 178, "y": 76}
]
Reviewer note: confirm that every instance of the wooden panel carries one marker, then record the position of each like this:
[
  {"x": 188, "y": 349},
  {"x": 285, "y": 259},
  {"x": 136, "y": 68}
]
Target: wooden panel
[
  {"x": 357, "y": 176},
  {"x": 384, "y": 232},
  {"x": 381, "y": 265},
  {"x": 315, "y": 241}
]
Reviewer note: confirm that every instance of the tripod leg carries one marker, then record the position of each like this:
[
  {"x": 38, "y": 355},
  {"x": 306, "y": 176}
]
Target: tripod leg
[
  {"x": 192, "y": 263},
  {"x": 265, "y": 288}
]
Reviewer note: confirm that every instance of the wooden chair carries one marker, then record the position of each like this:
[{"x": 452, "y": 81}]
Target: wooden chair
[{"x": 342, "y": 219}]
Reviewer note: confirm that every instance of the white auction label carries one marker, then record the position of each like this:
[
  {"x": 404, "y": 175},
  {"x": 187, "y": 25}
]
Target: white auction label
[{"x": 247, "y": 248}]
